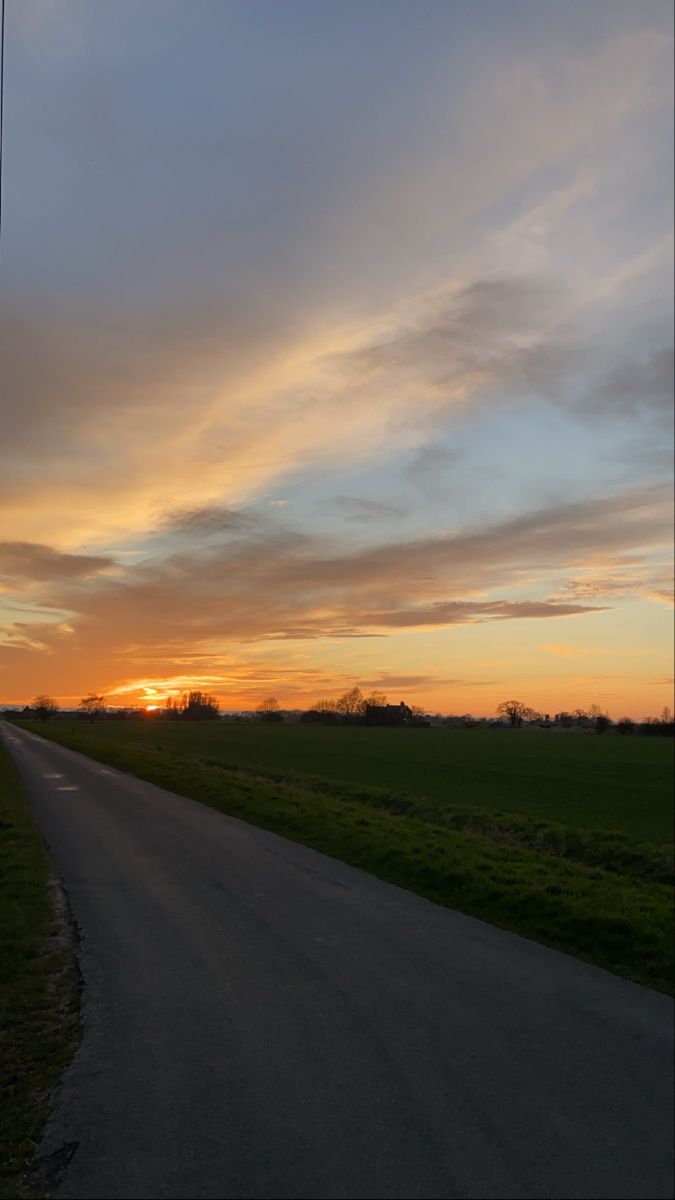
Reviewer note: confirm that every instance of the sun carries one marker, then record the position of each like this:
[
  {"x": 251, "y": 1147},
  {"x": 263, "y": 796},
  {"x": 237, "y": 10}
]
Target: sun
[{"x": 151, "y": 707}]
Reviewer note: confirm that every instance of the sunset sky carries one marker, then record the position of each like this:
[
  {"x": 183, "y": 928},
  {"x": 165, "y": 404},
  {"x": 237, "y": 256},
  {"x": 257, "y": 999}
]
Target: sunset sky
[{"x": 337, "y": 348}]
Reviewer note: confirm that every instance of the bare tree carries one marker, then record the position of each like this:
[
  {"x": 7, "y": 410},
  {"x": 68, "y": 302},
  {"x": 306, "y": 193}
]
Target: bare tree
[
  {"x": 600, "y": 719},
  {"x": 268, "y": 710},
  {"x": 92, "y": 706},
  {"x": 351, "y": 703},
  {"x": 44, "y": 707},
  {"x": 198, "y": 706},
  {"x": 377, "y": 699},
  {"x": 172, "y": 709},
  {"x": 516, "y": 711}
]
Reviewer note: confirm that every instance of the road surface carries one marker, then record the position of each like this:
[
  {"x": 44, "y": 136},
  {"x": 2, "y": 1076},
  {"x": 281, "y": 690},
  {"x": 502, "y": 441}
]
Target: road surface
[{"x": 263, "y": 1021}]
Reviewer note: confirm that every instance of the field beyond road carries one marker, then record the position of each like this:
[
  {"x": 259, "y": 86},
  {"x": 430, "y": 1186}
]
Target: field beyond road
[
  {"x": 566, "y": 838},
  {"x": 572, "y": 780}
]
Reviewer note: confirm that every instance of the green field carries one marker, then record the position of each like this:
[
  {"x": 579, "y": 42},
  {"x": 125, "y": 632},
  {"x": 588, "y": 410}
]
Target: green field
[
  {"x": 39, "y": 995},
  {"x": 578, "y": 780},
  {"x": 565, "y": 837}
]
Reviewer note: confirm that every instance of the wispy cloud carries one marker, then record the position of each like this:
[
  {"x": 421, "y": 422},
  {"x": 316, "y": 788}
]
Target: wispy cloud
[
  {"x": 356, "y": 508},
  {"x": 290, "y": 585},
  {"x": 397, "y": 362},
  {"x": 29, "y": 561}
]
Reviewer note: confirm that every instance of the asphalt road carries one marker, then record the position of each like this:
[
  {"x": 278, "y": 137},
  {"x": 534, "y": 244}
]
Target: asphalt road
[{"x": 263, "y": 1021}]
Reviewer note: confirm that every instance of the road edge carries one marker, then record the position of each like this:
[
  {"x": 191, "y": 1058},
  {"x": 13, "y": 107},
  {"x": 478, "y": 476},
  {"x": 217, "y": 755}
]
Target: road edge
[{"x": 40, "y": 994}]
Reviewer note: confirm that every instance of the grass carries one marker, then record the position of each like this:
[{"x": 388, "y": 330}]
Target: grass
[
  {"x": 576, "y": 780},
  {"x": 39, "y": 996},
  {"x": 563, "y": 838}
]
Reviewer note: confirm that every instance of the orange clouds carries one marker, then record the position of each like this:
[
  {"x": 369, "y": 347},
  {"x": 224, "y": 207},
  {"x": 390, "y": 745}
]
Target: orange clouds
[
  {"x": 257, "y": 583},
  {"x": 376, "y": 389}
]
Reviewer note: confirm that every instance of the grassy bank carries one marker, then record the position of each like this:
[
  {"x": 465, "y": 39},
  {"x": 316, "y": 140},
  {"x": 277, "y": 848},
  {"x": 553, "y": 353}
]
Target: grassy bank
[
  {"x": 39, "y": 996},
  {"x": 586, "y": 889}
]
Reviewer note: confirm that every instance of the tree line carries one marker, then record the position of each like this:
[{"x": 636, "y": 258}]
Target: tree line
[
  {"x": 192, "y": 706},
  {"x": 92, "y": 706},
  {"x": 350, "y": 708},
  {"x": 585, "y": 718}
]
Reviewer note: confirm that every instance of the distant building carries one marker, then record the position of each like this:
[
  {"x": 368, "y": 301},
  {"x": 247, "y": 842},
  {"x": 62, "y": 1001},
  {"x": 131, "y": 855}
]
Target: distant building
[{"x": 388, "y": 714}]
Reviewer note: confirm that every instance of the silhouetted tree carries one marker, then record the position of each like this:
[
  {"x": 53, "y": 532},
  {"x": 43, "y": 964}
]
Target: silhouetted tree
[
  {"x": 268, "y": 710},
  {"x": 516, "y": 711},
  {"x": 92, "y": 706},
  {"x": 348, "y": 707},
  {"x": 599, "y": 719},
  {"x": 625, "y": 726},
  {"x": 198, "y": 706},
  {"x": 659, "y": 726},
  {"x": 351, "y": 703},
  {"x": 320, "y": 716},
  {"x": 44, "y": 707}
]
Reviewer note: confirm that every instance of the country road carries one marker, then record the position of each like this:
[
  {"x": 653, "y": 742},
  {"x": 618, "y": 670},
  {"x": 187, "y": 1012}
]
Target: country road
[{"x": 262, "y": 1021}]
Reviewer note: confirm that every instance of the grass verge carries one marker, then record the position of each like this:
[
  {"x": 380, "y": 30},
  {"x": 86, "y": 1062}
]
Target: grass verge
[
  {"x": 39, "y": 984},
  {"x": 611, "y": 850},
  {"x": 618, "y": 920}
]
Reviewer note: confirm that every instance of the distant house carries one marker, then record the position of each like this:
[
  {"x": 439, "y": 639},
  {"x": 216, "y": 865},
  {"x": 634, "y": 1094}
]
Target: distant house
[{"x": 388, "y": 714}]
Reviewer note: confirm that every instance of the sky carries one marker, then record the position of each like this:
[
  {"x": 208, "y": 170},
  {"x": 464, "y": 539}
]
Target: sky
[{"x": 336, "y": 348}]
